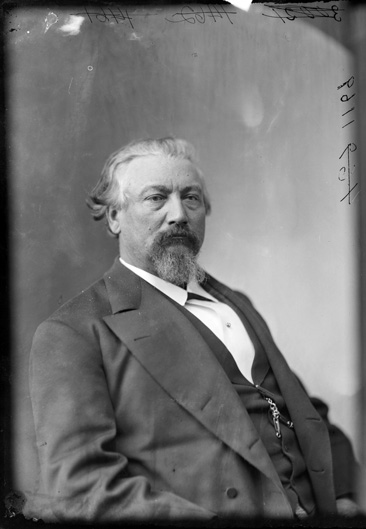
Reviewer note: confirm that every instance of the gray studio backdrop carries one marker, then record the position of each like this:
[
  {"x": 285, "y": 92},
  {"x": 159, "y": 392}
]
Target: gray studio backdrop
[{"x": 258, "y": 96}]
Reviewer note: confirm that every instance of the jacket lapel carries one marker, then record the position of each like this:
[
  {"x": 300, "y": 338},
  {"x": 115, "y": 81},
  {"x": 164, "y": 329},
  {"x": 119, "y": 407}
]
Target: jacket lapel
[
  {"x": 308, "y": 424},
  {"x": 172, "y": 350}
]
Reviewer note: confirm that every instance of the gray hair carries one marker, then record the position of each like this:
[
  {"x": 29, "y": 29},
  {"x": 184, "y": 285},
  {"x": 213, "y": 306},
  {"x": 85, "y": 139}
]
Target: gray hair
[{"x": 107, "y": 194}]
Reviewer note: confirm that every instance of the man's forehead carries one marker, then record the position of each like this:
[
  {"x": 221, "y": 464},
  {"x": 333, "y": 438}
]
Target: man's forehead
[{"x": 158, "y": 170}]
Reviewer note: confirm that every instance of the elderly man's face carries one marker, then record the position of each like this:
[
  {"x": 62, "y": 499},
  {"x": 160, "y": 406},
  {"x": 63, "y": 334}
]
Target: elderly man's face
[{"x": 162, "y": 226}]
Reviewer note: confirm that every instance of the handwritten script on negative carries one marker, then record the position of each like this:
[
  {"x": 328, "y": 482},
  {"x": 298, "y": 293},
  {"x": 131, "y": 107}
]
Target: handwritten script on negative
[
  {"x": 292, "y": 12},
  {"x": 201, "y": 14},
  {"x": 110, "y": 15},
  {"x": 190, "y": 15},
  {"x": 346, "y": 172}
]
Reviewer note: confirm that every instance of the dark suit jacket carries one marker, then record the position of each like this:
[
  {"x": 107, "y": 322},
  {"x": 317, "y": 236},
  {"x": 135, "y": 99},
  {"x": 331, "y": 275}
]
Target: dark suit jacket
[{"x": 136, "y": 419}]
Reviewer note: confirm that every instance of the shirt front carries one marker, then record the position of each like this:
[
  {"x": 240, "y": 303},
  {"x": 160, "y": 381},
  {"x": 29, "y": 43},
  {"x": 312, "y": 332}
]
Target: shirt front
[{"x": 221, "y": 319}]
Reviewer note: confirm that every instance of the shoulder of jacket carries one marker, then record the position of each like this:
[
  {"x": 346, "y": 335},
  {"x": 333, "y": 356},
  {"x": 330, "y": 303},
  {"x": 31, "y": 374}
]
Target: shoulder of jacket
[
  {"x": 218, "y": 285},
  {"x": 89, "y": 305}
]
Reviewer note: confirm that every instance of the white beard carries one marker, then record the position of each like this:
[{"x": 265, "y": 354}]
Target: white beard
[{"x": 177, "y": 264}]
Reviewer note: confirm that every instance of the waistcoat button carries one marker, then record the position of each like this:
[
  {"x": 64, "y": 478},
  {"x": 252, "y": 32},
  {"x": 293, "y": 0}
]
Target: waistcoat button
[{"x": 231, "y": 492}]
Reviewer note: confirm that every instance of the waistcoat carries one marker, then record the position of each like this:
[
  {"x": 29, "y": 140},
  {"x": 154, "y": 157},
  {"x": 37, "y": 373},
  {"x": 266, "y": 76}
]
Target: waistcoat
[{"x": 284, "y": 451}]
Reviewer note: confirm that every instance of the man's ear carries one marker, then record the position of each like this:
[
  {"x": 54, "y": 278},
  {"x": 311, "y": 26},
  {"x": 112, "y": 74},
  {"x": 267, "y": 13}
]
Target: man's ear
[{"x": 112, "y": 215}]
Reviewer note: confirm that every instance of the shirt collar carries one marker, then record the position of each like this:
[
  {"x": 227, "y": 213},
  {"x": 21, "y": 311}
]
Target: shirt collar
[{"x": 177, "y": 294}]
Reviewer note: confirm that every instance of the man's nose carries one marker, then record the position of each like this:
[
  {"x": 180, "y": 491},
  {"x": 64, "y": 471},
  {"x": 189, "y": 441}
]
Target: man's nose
[{"x": 176, "y": 211}]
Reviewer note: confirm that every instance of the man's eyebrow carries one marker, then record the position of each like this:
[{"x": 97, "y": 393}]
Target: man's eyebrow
[
  {"x": 167, "y": 190},
  {"x": 193, "y": 187},
  {"x": 151, "y": 187}
]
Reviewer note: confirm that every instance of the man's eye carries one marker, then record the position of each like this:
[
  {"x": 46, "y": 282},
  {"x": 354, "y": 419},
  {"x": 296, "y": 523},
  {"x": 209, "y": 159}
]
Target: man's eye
[
  {"x": 192, "y": 198},
  {"x": 155, "y": 198}
]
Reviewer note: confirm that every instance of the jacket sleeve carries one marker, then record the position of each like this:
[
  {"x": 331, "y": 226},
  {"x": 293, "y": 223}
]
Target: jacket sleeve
[
  {"x": 85, "y": 478},
  {"x": 345, "y": 466}
]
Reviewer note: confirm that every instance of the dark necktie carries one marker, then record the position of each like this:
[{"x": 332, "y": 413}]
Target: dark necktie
[{"x": 191, "y": 295}]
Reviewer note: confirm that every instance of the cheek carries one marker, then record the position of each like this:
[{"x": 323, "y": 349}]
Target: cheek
[
  {"x": 152, "y": 223},
  {"x": 201, "y": 219},
  {"x": 198, "y": 224},
  {"x": 140, "y": 222}
]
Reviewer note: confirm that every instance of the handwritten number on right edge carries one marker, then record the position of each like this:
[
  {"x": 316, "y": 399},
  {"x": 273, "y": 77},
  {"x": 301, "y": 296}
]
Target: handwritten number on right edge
[{"x": 347, "y": 83}]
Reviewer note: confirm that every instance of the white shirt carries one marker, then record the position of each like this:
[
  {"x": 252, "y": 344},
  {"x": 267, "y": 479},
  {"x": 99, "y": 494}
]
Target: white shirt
[{"x": 221, "y": 319}]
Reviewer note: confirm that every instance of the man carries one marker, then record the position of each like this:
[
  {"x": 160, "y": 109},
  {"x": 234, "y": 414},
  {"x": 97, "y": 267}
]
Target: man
[{"x": 158, "y": 393}]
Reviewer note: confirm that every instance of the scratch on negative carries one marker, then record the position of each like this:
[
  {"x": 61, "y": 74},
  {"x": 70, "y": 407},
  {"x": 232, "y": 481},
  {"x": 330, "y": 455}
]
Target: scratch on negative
[{"x": 70, "y": 84}]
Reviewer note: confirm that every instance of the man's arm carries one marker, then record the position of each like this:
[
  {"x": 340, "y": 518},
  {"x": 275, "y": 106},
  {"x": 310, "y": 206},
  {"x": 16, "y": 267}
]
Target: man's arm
[
  {"x": 345, "y": 467},
  {"x": 85, "y": 477}
]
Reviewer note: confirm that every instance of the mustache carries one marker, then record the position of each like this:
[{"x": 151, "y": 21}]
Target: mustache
[{"x": 178, "y": 232}]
